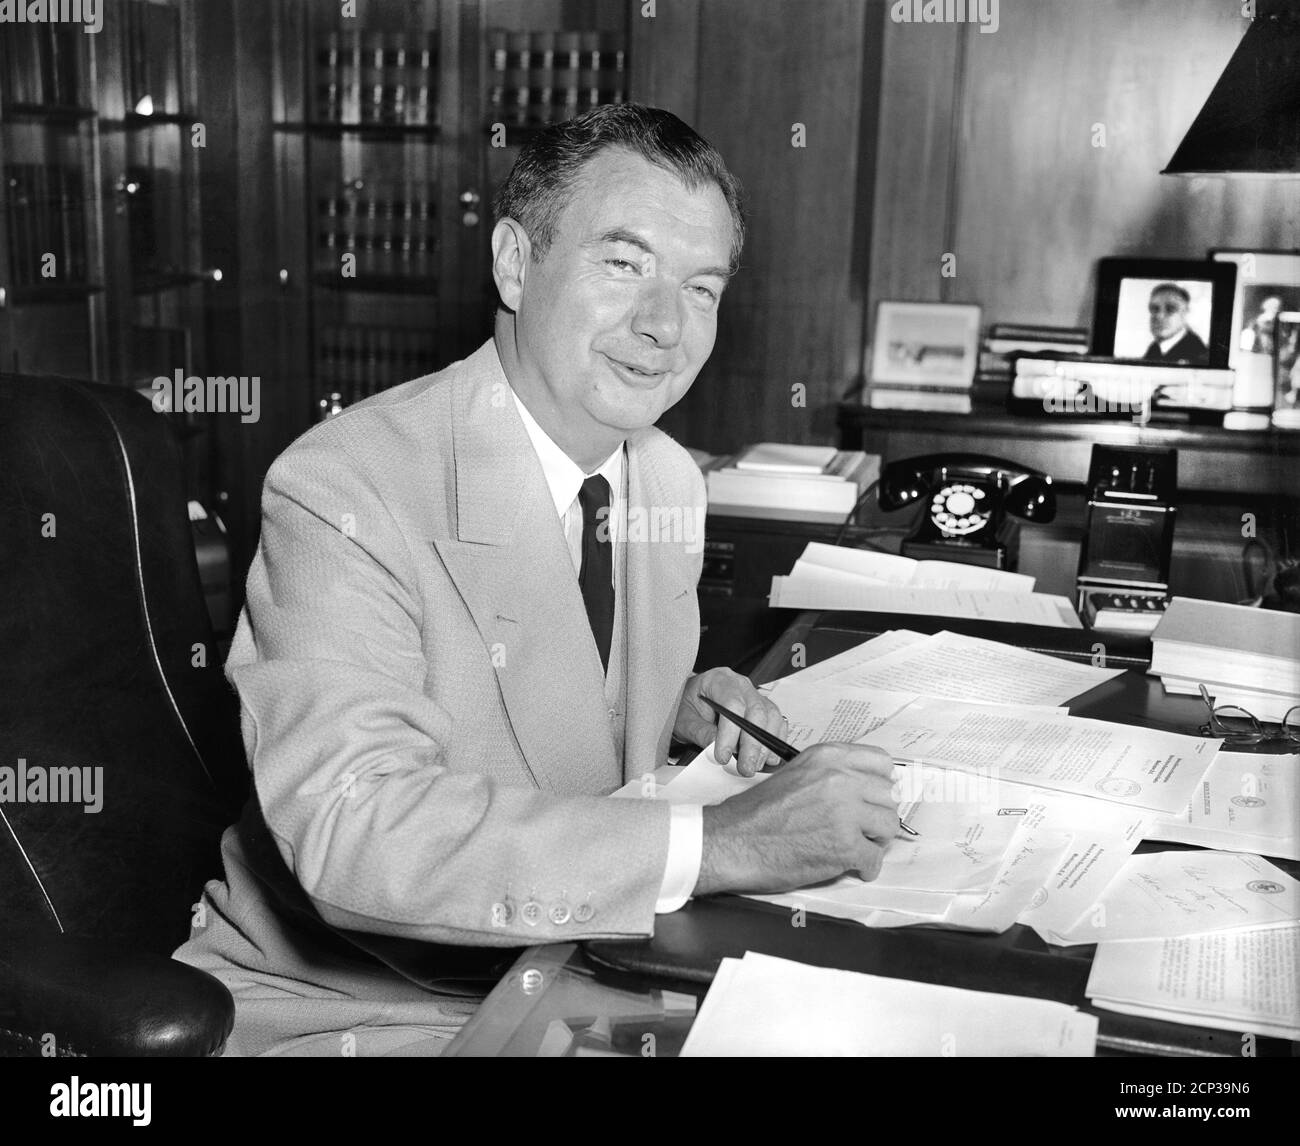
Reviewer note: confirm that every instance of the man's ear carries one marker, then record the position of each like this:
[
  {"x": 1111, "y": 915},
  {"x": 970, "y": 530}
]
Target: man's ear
[{"x": 511, "y": 251}]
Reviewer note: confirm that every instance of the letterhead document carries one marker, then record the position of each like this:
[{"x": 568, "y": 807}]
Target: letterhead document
[
  {"x": 831, "y": 589},
  {"x": 1246, "y": 802},
  {"x": 1137, "y": 767},
  {"x": 1164, "y": 894},
  {"x": 957, "y": 667}
]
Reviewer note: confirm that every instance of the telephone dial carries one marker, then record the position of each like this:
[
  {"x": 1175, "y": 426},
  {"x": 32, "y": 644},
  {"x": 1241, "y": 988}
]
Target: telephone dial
[{"x": 966, "y": 498}]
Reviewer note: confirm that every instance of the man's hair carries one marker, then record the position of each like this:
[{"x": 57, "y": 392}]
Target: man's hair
[
  {"x": 1173, "y": 288},
  {"x": 542, "y": 181}
]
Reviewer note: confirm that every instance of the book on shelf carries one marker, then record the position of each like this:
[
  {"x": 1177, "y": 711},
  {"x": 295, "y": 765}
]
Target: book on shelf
[
  {"x": 388, "y": 228},
  {"x": 1004, "y": 341},
  {"x": 1030, "y": 346},
  {"x": 936, "y": 399},
  {"x": 827, "y": 495},
  {"x": 384, "y": 79},
  {"x": 1091, "y": 386},
  {"x": 46, "y": 216},
  {"x": 537, "y": 78},
  {"x": 1035, "y": 332},
  {"x": 357, "y": 361},
  {"x": 41, "y": 64}
]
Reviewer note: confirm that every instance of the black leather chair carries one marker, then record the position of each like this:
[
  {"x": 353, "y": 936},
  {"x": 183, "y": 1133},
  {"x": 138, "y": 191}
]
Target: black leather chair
[{"x": 107, "y": 661}]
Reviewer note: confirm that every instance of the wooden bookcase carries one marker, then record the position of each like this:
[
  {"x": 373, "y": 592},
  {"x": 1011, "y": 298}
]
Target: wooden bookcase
[
  {"x": 100, "y": 257},
  {"x": 390, "y": 128}
]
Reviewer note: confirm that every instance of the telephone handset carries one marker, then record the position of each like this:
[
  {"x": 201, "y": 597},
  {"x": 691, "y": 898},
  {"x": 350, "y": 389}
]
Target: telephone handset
[{"x": 968, "y": 497}]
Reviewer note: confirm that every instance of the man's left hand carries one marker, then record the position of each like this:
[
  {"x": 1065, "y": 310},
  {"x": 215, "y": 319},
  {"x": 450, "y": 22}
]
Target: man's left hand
[{"x": 698, "y": 724}]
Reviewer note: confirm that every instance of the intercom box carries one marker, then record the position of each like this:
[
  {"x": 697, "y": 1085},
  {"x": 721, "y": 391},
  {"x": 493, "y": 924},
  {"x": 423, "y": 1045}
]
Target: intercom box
[{"x": 1128, "y": 537}]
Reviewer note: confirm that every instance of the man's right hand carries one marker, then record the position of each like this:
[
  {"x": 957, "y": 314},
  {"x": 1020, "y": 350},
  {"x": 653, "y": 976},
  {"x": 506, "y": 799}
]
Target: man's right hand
[{"x": 828, "y": 811}]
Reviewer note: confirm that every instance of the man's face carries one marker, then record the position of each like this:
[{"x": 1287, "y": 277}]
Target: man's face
[
  {"x": 1168, "y": 314},
  {"x": 617, "y": 318}
]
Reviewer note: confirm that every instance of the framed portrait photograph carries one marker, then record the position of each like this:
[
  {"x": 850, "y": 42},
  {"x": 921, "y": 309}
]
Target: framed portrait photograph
[
  {"x": 925, "y": 344},
  {"x": 1268, "y": 288},
  {"x": 1171, "y": 312}
]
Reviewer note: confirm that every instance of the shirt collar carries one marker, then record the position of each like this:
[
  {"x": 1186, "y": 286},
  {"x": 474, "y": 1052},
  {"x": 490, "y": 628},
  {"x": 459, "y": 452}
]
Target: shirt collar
[
  {"x": 564, "y": 477},
  {"x": 1169, "y": 343}
]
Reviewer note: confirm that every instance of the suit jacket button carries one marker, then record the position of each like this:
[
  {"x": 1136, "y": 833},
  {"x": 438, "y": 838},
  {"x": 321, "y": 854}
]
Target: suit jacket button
[
  {"x": 583, "y": 912},
  {"x": 531, "y": 913},
  {"x": 560, "y": 914},
  {"x": 502, "y": 914}
]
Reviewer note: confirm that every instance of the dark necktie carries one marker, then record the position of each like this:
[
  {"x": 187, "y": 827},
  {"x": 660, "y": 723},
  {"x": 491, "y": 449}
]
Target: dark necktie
[{"x": 596, "y": 578}]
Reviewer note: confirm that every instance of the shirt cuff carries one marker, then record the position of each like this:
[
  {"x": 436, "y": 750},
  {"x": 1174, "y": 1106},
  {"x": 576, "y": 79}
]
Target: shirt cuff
[{"x": 685, "y": 854}]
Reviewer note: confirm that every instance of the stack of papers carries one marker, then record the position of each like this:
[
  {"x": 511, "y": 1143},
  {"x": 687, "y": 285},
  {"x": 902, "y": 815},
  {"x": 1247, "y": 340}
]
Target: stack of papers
[
  {"x": 763, "y": 1006},
  {"x": 788, "y": 482},
  {"x": 1246, "y": 802},
  {"x": 1240, "y": 980},
  {"x": 836, "y": 577},
  {"x": 1246, "y": 657}
]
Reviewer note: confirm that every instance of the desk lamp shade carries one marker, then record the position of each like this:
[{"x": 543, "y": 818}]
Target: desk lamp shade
[{"x": 1250, "y": 125}]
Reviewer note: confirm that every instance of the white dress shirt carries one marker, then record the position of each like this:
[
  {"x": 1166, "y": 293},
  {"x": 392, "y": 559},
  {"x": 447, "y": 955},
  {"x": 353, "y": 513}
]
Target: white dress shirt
[{"x": 564, "y": 478}]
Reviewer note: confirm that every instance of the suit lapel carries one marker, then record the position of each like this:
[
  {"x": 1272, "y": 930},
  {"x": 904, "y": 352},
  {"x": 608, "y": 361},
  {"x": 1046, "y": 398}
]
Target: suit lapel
[
  {"x": 662, "y": 611},
  {"x": 508, "y": 558}
]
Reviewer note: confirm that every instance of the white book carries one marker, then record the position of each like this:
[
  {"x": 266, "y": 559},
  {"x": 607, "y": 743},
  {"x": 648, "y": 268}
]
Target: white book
[
  {"x": 893, "y": 398},
  {"x": 1265, "y": 704},
  {"x": 783, "y": 458},
  {"x": 1238, "y": 646}
]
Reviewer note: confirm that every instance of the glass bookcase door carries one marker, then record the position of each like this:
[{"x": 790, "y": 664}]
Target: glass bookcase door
[
  {"x": 361, "y": 114},
  {"x": 152, "y": 139},
  {"x": 51, "y": 268}
]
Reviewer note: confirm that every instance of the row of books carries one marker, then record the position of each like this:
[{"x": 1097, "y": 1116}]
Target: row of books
[
  {"x": 993, "y": 375},
  {"x": 355, "y": 362},
  {"x": 390, "y": 231},
  {"x": 1006, "y": 339},
  {"x": 538, "y": 78},
  {"x": 790, "y": 483},
  {"x": 41, "y": 63},
  {"x": 46, "y": 211},
  {"x": 376, "y": 78}
]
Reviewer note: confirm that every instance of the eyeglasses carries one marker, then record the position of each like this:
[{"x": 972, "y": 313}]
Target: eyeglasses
[{"x": 1235, "y": 725}]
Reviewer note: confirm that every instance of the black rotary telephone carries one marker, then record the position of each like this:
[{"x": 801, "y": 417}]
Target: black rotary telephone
[{"x": 967, "y": 499}]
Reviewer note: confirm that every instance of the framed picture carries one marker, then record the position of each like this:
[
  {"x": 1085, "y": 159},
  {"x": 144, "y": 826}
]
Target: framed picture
[
  {"x": 1173, "y": 312},
  {"x": 925, "y": 344},
  {"x": 1268, "y": 287}
]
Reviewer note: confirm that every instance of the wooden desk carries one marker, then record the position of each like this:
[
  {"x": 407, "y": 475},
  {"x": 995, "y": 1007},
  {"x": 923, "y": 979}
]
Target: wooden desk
[{"x": 627, "y": 978}]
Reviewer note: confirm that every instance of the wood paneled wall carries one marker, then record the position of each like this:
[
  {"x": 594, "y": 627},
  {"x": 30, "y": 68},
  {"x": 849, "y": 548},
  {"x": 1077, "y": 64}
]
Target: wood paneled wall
[
  {"x": 794, "y": 313},
  {"x": 987, "y": 150}
]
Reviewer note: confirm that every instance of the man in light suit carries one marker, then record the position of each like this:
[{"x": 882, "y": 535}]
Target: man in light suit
[{"x": 453, "y": 649}]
